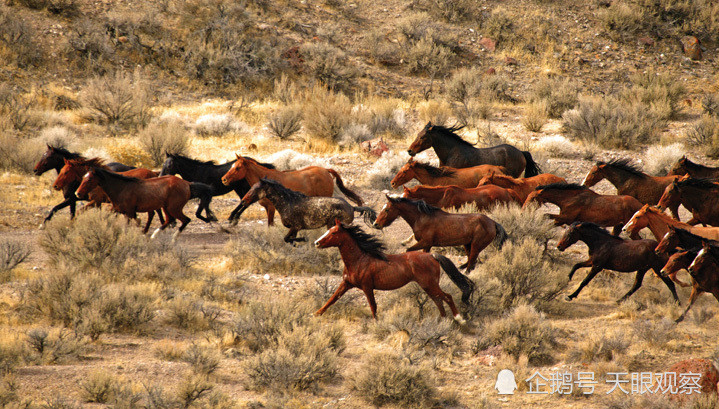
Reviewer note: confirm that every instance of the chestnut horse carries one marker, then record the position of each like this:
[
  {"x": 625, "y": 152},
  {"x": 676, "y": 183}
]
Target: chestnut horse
[
  {"x": 522, "y": 187},
  {"x": 607, "y": 251},
  {"x": 659, "y": 223},
  {"x": 453, "y": 197},
  {"x": 434, "y": 227},
  {"x": 699, "y": 196},
  {"x": 677, "y": 262},
  {"x": 579, "y": 204},
  {"x": 368, "y": 268},
  {"x": 312, "y": 181},
  {"x": 443, "y": 176},
  {"x": 695, "y": 170},
  {"x": 131, "y": 195},
  {"x": 630, "y": 180},
  {"x": 454, "y": 151},
  {"x": 705, "y": 275}
]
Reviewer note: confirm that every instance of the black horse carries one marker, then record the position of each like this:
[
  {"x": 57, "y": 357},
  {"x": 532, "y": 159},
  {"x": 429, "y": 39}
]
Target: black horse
[
  {"x": 209, "y": 173},
  {"x": 54, "y": 158},
  {"x": 455, "y": 152},
  {"x": 301, "y": 212}
]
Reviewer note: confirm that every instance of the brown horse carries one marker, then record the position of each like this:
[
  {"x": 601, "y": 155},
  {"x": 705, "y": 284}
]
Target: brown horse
[
  {"x": 312, "y": 181},
  {"x": 677, "y": 262},
  {"x": 695, "y": 170},
  {"x": 682, "y": 238},
  {"x": 579, "y": 204},
  {"x": 705, "y": 275},
  {"x": 442, "y": 176},
  {"x": 131, "y": 195},
  {"x": 453, "y": 197},
  {"x": 607, "y": 251},
  {"x": 434, "y": 227},
  {"x": 522, "y": 187},
  {"x": 659, "y": 224},
  {"x": 699, "y": 196},
  {"x": 630, "y": 180},
  {"x": 368, "y": 268}
]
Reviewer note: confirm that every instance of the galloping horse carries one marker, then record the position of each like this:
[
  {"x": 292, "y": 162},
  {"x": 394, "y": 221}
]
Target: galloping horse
[
  {"x": 301, "y": 212},
  {"x": 631, "y": 181},
  {"x": 454, "y": 151},
  {"x": 433, "y": 227},
  {"x": 522, "y": 187},
  {"x": 678, "y": 237},
  {"x": 312, "y": 181},
  {"x": 53, "y": 158},
  {"x": 659, "y": 224},
  {"x": 614, "y": 253},
  {"x": 131, "y": 195},
  {"x": 209, "y": 173},
  {"x": 443, "y": 176},
  {"x": 695, "y": 170},
  {"x": 368, "y": 268},
  {"x": 699, "y": 196},
  {"x": 705, "y": 275},
  {"x": 580, "y": 204},
  {"x": 677, "y": 262},
  {"x": 453, "y": 197}
]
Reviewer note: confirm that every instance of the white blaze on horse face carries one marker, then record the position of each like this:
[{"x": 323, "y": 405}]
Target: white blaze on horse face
[
  {"x": 700, "y": 254},
  {"x": 317, "y": 242},
  {"x": 586, "y": 177},
  {"x": 86, "y": 175}
]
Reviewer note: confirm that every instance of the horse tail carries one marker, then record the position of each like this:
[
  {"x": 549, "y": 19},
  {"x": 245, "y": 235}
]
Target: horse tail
[
  {"x": 500, "y": 237},
  {"x": 531, "y": 169},
  {"x": 367, "y": 212},
  {"x": 350, "y": 194},
  {"x": 204, "y": 193},
  {"x": 460, "y": 280}
]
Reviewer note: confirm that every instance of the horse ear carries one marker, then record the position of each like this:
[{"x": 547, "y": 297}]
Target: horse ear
[
  {"x": 65, "y": 160},
  {"x": 387, "y": 196},
  {"x": 338, "y": 223},
  {"x": 429, "y": 125},
  {"x": 237, "y": 156},
  {"x": 411, "y": 159}
]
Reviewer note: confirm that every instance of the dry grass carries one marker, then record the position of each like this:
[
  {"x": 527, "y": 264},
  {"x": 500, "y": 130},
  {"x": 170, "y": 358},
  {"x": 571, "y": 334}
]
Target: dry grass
[
  {"x": 535, "y": 117},
  {"x": 327, "y": 114},
  {"x": 658, "y": 160},
  {"x": 558, "y": 95},
  {"x": 285, "y": 122},
  {"x": 121, "y": 101},
  {"x": 705, "y": 133},
  {"x": 162, "y": 137},
  {"x": 12, "y": 253}
]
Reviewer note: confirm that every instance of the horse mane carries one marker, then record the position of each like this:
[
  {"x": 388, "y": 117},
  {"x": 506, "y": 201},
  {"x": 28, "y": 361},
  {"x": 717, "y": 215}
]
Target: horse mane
[
  {"x": 191, "y": 160},
  {"x": 366, "y": 242},
  {"x": 624, "y": 164},
  {"x": 421, "y": 205},
  {"x": 64, "y": 152},
  {"x": 435, "y": 171},
  {"x": 561, "y": 186},
  {"x": 699, "y": 183},
  {"x": 689, "y": 164},
  {"x": 685, "y": 235},
  {"x": 287, "y": 194},
  {"x": 104, "y": 173},
  {"x": 450, "y": 132},
  {"x": 596, "y": 228},
  {"x": 93, "y": 162}
]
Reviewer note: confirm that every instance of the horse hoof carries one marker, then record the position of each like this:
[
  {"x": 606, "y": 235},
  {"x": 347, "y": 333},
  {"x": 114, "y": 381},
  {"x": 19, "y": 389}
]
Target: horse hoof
[
  {"x": 460, "y": 320},
  {"x": 569, "y": 298},
  {"x": 42, "y": 226},
  {"x": 154, "y": 234}
]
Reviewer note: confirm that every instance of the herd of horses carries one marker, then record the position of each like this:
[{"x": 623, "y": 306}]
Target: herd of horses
[{"x": 483, "y": 177}]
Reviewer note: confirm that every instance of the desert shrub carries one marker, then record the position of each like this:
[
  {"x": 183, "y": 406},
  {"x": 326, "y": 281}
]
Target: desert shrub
[
  {"x": 470, "y": 100},
  {"x": 12, "y": 253},
  {"x": 659, "y": 93},
  {"x": 263, "y": 249},
  {"x": 524, "y": 332},
  {"x": 437, "y": 112},
  {"x": 487, "y": 137},
  {"x": 19, "y": 37},
  {"x": 162, "y": 137},
  {"x": 498, "y": 25},
  {"x": 120, "y": 309},
  {"x": 191, "y": 313},
  {"x": 520, "y": 224},
  {"x": 19, "y": 154},
  {"x": 432, "y": 331},
  {"x": 303, "y": 358},
  {"x": 12, "y": 352},
  {"x": 600, "y": 347},
  {"x": 259, "y": 324},
  {"x": 705, "y": 133},
  {"x": 327, "y": 114},
  {"x": 658, "y": 159},
  {"x": 329, "y": 65},
  {"x": 192, "y": 389},
  {"x": 99, "y": 387},
  {"x": 611, "y": 124},
  {"x": 381, "y": 116},
  {"x": 655, "y": 332},
  {"x": 57, "y": 135},
  {"x": 285, "y": 122},
  {"x": 88, "y": 43},
  {"x": 622, "y": 19},
  {"x": 380, "y": 49},
  {"x": 120, "y": 100},
  {"x": 450, "y": 10},
  {"x": 559, "y": 95},
  {"x": 288, "y": 159},
  {"x": 354, "y": 134},
  {"x": 710, "y": 105},
  {"x": 427, "y": 56},
  {"x": 535, "y": 117},
  {"x": 558, "y": 146},
  {"x": 129, "y": 152},
  {"x": 56, "y": 346},
  {"x": 388, "y": 379},
  {"x": 204, "y": 360},
  {"x": 701, "y": 316},
  {"x": 217, "y": 125},
  {"x": 383, "y": 169},
  {"x": 284, "y": 89}
]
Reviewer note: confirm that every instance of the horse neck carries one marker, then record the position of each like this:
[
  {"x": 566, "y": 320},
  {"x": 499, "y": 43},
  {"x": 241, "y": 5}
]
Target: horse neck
[
  {"x": 444, "y": 147},
  {"x": 351, "y": 253},
  {"x": 255, "y": 172},
  {"x": 692, "y": 198},
  {"x": 618, "y": 177},
  {"x": 114, "y": 187},
  {"x": 659, "y": 225},
  {"x": 557, "y": 198},
  {"x": 410, "y": 214},
  {"x": 594, "y": 239},
  {"x": 277, "y": 200},
  {"x": 424, "y": 177}
]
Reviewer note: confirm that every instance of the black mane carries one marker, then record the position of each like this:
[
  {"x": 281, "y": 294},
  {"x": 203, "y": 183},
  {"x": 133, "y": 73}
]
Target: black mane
[
  {"x": 191, "y": 160},
  {"x": 65, "y": 153},
  {"x": 699, "y": 183},
  {"x": 366, "y": 242},
  {"x": 287, "y": 194},
  {"x": 685, "y": 236},
  {"x": 435, "y": 171},
  {"x": 624, "y": 164},
  {"x": 693, "y": 165},
  {"x": 422, "y": 206},
  {"x": 450, "y": 132},
  {"x": 104, "y": 174},
  {"x": 561, "y": 186}
]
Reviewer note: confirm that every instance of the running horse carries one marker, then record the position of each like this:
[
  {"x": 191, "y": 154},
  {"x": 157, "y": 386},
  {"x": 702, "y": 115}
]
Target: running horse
[
  {"x": 434, "y": 227},
  {"x": 695, "y": 170},
  {"x": 699, "y": 196},
  {"x": 429, "y": 175},
  {"x": 579, "y": 204},
  {"x": 607, "y": 251},
  {"x": 369, "y": 268},
  {"x": 312, "y": 181},
  {"x": 630, "y": 180},
  {"x": 522, "y": 187},
  {"x": 681, "y": 260},
  {"x": 454, "y": 197},
  {"x": 54, "y": 158},
  {"x": 659, "y": 224},
  {"x": 705, "y": 275},
  {"x": 454, "y": 151}
]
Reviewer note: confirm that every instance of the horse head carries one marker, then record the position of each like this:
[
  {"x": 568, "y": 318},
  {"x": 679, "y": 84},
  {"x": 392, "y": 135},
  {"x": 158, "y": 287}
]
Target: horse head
[
  {"x": 423, "y": 141},
  {"x": 404, "y": 175},
  {"x": 238, "y": 171},
  {"x": 332, "y": 237},
  {"x": 594, "y": 175}
]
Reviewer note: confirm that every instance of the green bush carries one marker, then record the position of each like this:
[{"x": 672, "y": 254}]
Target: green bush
[
  {"x": 428, "y": 57},
  {"x": 259, "y": 324},
  {"x": 705, "y": 134},
  {"x": 658, "y": 93}
]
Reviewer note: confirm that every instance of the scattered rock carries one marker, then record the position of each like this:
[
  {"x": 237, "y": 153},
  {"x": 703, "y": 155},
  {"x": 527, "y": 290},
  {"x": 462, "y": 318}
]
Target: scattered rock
[
  {"x": 251, "y": 147},
  {"x": 510, "y": 61},
  {"x": 705, "y": 367},
  {"x": 490, "y": 355},
  {"x": 293, "y": 57},
  {"x": 490, "y": 71},
  {"x": 374, "y": 147},
  {"x": 647, "y": 41},
  {"x": 691, "y": 47},
  {"x": 488, "y": 44}
]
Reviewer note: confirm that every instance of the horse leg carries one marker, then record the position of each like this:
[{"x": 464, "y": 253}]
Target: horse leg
[
  {"x": 477, "y": 245},
  {"x": 70, "y": 201},
  {"x": 467, "y": 249},
  {"x": 694, "y": 220},
  {"x": 169, "y": 219},
  {"x": 408, "y": 240},
  {"x": 692, "y": 299},
  {"x": 159, "y": 215},
  {"x": 668, "y": 282},
  {"x": 674, "y": 209},
  {"x": 673, "y": 277},
  {"x": 270, "y": 214},
  {"x": 150, "y": 216},
  {"x": 617, "y": 230},
  {"x": 577, "y": 266},
  {"x": 593, "y": 272},
  {"x": 637, "y": 283},
  {"x": 420, "y": 245},
  {"x": 339, "y": 292},
  {"x": 291, "y": 235},
  {"x": 369, "y": 293}
]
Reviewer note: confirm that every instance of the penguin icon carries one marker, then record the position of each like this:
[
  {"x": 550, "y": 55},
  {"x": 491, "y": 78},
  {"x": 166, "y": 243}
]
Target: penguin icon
[{"x": 506, "y": 385}]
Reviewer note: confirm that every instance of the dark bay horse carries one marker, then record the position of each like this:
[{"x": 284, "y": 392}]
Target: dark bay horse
[
  {"x": 630, "y": 180},
  {"x": 434, "y": 227},
  {"x": 522, "y": 187},
  {"x": 680, "y": 238},
  {"x": 311, "y": 180},
  {"x": 705, "y": 275},
  {"x": 579, "y": 204},
  {"x": 454, "y": 197},
  {"x": 695, "y": 170},
  {"x": 368, "y": 268},
  {"x": 131, "y": 195},
  {"x": 454, "y": 151},
  {"x": 301, "y": 212},
  {"x": 660, "y": 224},
  {"x": 54, "y": 158},
  {"x": 699, "y": 196},
  {"x": 607, "y": 251},
  {"x": 209, "y": 173},
  {"x": 443, "y": 176}
]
